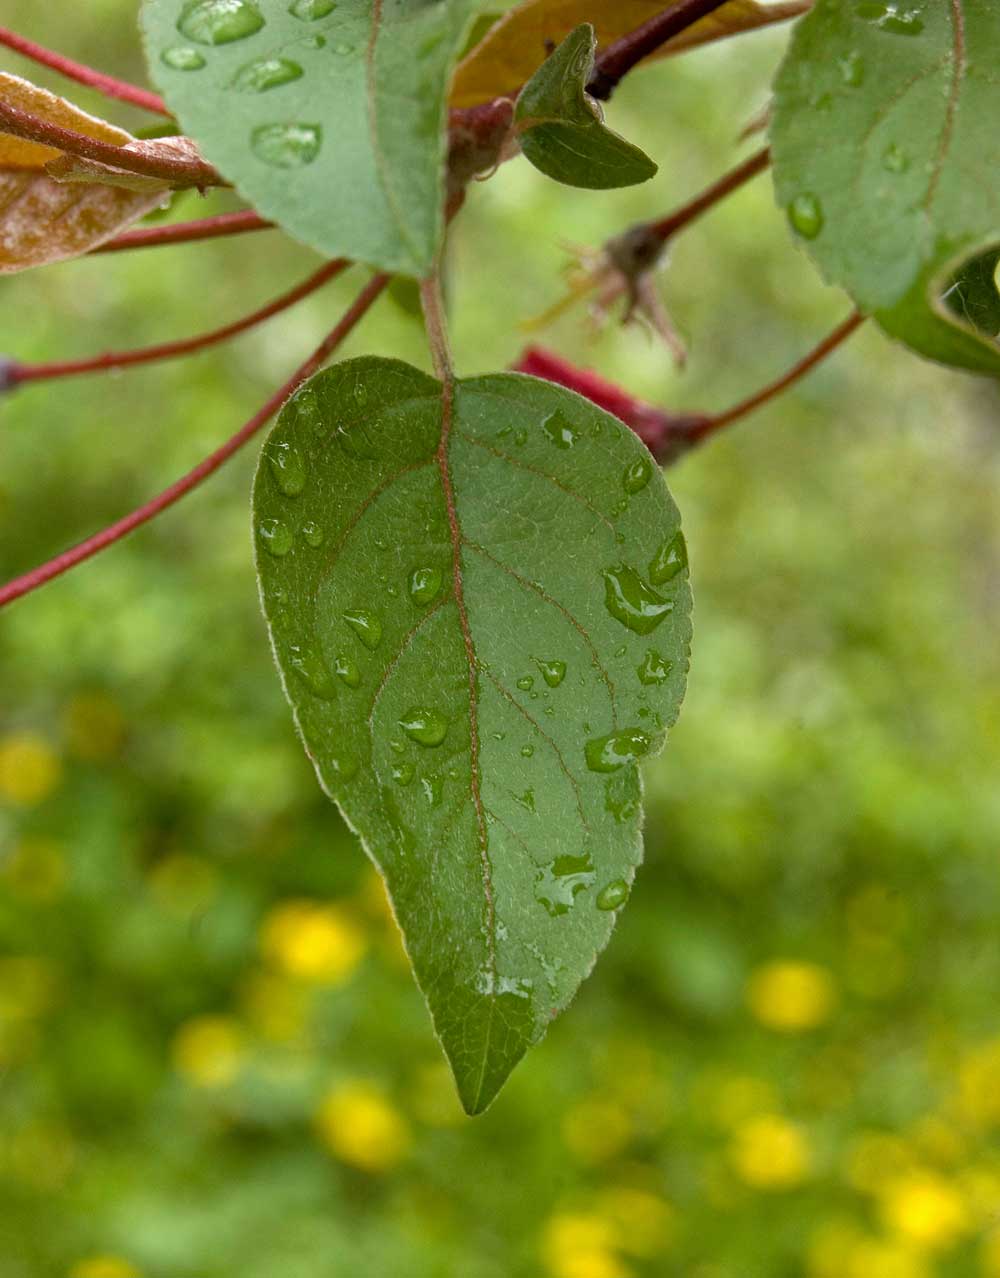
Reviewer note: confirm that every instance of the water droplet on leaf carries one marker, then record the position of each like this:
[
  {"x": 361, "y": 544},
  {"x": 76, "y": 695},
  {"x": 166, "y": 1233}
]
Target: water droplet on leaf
[
  {"x": 638, "y": 475},
  {"x": 895, "y": 159},
  {"x": 286, "y": 146},
  {"x": 182, "y": 58},
  {"x": 219, "y": 21},
  {"x": 275, "y": 536},
  {"x": 310, "y": 10},
  {"x": 287, "y": 468},
  {"x": 669, "y": 560},
  {"x": 806, "y": 215},
  {"x": 425, "y": 585},
  {"x": 608, "y": 754},
  {"x": 613, "y": 896},
  {"x": 403, "y": 773},
  {"x": 852, "y": 69},
  {"x": 426, "y": 727},
  {"x": 312, "y": 533},
  {"x": 553, "y": 672},
  {"x": 527, "y": 751},
  {"x": 309, "y": 665},
  {"x": 561, "y": 432},
  {"x": 558, "y": 883},
  {"x": 347, "y": 670},
  {"x": 366, "y": 626},
  {"x": 654, "y": 668},
  {"x": 632, "y": 602},
  {"x": 525, "y": 683},
  {"x": 266, "y": 73},
  {"x": 526, "y": 800}
]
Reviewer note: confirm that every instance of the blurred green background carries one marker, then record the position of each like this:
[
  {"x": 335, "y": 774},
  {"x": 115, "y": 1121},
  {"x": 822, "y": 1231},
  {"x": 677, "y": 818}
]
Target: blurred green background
[{"x": 213, "y": 1060}]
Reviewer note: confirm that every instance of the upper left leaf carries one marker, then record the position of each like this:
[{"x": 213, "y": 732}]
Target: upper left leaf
[
  {"x": 330, "y": 118},
  {"x": 43, "y": 220}
]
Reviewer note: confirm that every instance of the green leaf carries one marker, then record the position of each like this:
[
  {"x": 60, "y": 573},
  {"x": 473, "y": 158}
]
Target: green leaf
[
  {"x": 886, "y": 156},
  {"x": 564, "y": 134},
  {"x": 480, "y": 629},
  {"x": 329, "y": 118}
]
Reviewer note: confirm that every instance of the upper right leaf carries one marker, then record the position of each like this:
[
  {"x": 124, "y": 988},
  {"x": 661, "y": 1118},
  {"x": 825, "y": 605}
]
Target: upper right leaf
[
  {"x": 563, "y": 133},
  {"x": 886, "y": 156}
]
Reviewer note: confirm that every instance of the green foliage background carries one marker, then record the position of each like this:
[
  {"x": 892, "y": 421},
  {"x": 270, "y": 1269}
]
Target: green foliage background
[{"x": 829, "y": 798}]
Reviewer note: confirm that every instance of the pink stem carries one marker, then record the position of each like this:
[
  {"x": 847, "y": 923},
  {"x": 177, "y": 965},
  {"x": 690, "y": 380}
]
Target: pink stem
[{"x": 205, "y": 228}]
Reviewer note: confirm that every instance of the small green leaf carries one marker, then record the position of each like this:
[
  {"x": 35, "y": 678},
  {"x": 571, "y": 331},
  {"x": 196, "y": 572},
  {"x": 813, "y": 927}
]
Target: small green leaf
[
  {"x": 453, "y": 558},
  {"x": 329, "y": 118},
  {"x": 885, "y": 159},
  {"x": 562, "y": 128}
]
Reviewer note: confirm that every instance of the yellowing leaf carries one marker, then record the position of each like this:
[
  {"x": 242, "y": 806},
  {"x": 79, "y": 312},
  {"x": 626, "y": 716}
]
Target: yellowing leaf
[
  {"x": 77, "y": 168},
  {"x": 41, "y": 220},
  {"x": 515, "y": 46}
]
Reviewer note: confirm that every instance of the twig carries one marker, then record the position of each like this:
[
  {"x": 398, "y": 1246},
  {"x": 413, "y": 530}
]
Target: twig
[
  {"x": 106, "y": 84},
  {"x": 175, "y": 170},
  {"x": 620, "y": 57},
  {"x": 115, "y": 532},
  {"x": 17, "y": 373},
  {"x": 729, "y": 182},
  {"x": 205, "y": 228}
]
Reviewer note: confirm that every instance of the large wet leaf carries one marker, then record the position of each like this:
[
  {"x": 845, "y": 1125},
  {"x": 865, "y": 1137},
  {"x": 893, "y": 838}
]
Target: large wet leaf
[
  {"x": 564, "y": 134},
  {"x": 512, "y": 48},
  {"x": 480, "y": 611},
  {"x": 42, "y": 220},
  {"x": 329, "y": 117},
  {"x": 886, "y": 157}
]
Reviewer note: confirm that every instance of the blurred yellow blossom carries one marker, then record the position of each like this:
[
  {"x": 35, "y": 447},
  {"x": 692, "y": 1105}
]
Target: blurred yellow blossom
[
  {"x": 991, "y": 1255},
  {"x": 878, "y": 1258},
  {"x": 978, "y": 1100},
  {"x": 873, "y": 1158},
  {"x": 980, "y": 1187},
  {"x": 361, "y": 1127},
  {"x": 575, "y": 1245},
  {"x": 643, "y": 1222},
  {"x": 312, "y": 941},
  {"x": 29, "y": 769},
  {"x": 830, "y": 1247},
  {"x": 769, "y": 1152},
  {"x": 790, "y": 995},
  {"x": 209, "y": 1050},
  {"x": 729, "y": 1098},
  {"x": 94, "y": 725},
  {"x": 596, "y": 1129},
  {"x": 104, "y": 1267},
  {"x": 926, "y": 1209},
  {"x": 36, "y": 869},
  {"x": 937, "y": 1139}
]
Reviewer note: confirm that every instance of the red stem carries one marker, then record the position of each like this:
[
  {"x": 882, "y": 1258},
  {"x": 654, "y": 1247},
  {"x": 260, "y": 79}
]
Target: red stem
[
  {"x": 620, "y": 57},
  {"x": 115, "y": 532},
  {"x": 757, "y": 400},
  {"x": 174, "y": 170},
  {"x": 729, "y": 182},
  {"x": 206, "y": 228},
  {"x": 106, "y": 84},
  {"x": 17, "y": 373}
]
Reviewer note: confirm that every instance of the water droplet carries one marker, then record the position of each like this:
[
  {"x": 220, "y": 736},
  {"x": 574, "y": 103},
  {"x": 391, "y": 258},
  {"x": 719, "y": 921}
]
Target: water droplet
[
  {"x": 669, "y": 560},
  {"x": 561, "y": 432},
  {"x": 311, "y": 10},
  {"x": 558, "y": 883},
  {"x": 266, "y": 73},
  {"x": 526, "y": 800},
  {"x": 426, "y": 727},
  {"x": 366, "y": 626},
  {"x": 852, "y": 69},
  {"x": 343, "y": 49},
  {"x": 316, "y": 42},
  {"x": 309, "y": 665},
  {"x": 623, "y": 794},
  {"x": 355, "y": 440},
  {"x": 527, "y": 750},
  {"x": 312, "y": 533},
  {"x": 275, "y": 536},
  {"x": 219, "y": 21},
  {"x": 403, "y": 773},
  {"x": 347, "y": 670},
  {"x": 433, "y": 788},
  {"x": 182, "y": 58},
  {"x": 608, "y": 754},
  {"x": 891, "y": 17},
  {"x": 895, "y": 159},
  {"x": 397, "y": 747},
  {"x": 630, "y": 600},
  {"x": 286, "y": 146},
  {"x": 425, "y": 585},
  {"x": 553, "y": 672},
  {"x": 525, "y": 682},
  {"x": 806, "y": 215},
  {"x": 613, "y": 896},
  {"x": 344, "y": 766},
  {"x": 638, "y": 475},
  {"x": 286, "y": 467},
  {"x": 654, "y": 668}
]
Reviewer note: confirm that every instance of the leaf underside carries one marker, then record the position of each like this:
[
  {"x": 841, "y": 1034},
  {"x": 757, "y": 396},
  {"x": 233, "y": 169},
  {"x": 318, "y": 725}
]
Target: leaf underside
[
  {"x": 564, "y": 134},
  {"x": 329, "y": 118},
  {"x": 886, "y": 155},
  {"x": 479, "y": 606}
]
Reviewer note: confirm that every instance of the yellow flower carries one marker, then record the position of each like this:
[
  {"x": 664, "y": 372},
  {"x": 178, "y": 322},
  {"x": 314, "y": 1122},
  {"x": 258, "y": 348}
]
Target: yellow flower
[
  {"x": 209, "y": 1050},
  {"x": 104, "y": 1267},
  {"x": 36, "y": 870},
  {"x": 312, "y": 942},
  {"x": 991, "y": 1255},
  {"x": 979, "y": 1085},
  {"x": 361, "y": 1127},
  {"x": 596, "y": 1129},
  {"x": 643, "y": 1222},
  {"x": 830, "y": 1248},
  {"x": 575, "y": 1245},
  {"x": 875, "y": 1258},
  {"x": 94, "y": 725},
  {"x": 29, "y": 769},
  {"x": 791, "y": 996},
  {"x": 768, "y": 1152},
  {"x": 925, "y": 1209}
]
